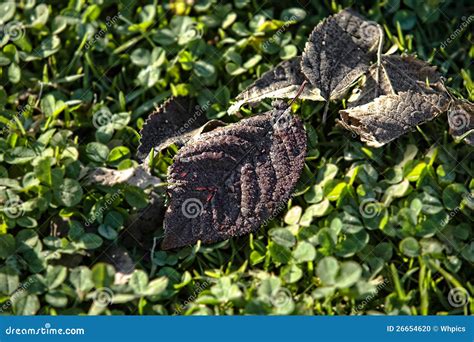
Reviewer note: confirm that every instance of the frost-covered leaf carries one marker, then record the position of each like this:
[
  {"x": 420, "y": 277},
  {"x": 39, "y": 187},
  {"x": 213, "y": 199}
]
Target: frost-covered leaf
[
  {"x": 397, "y": 74},
  {"x": 230, "y": 180},
  {"x": 390, "y": 116},
  {"x": 338, "y": 52},
  {"x": 283, "y": 81},
  {"x": 170, "y": 124},
  {"x": 461, "y": 121}
]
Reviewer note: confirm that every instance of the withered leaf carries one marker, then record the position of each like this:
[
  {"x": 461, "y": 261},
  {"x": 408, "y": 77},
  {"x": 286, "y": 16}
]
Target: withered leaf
[
  {"x": 283, "y": 81},
  {"x": 390, "y": 116},
  {"x": 229, "y": 181},
  {"x": 339, "y": 51},
  {"x": 133, "y": 176},
  {"x": 171, "y": 123},
  {"x": 461, "y": 120},
  {"x": 395, "y": 74}
]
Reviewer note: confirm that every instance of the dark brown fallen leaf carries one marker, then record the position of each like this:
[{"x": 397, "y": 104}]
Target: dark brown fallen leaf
[
  {"x": 461, "y": 120},
  {"x": 390, "y": 116},
  {"x": 230, "y": 180},
  {"x": 395, "y": 74},
  {"x": 339, "y": 51},
  {"x": 281, "y": 82},
  {"x": 171, "y": 123}
]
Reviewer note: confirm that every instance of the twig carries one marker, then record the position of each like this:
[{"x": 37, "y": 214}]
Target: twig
[
  {"x": 325, "y": 113},
  {"x": 299, "y": 92}
]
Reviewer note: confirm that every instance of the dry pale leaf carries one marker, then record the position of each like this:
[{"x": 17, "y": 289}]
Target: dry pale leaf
[
  {"x": 283, "y": 81},
  {"x": 390, "y": 116},
  {"x": 133, "y": 176},
  {"x": 395, "y": 74}
]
